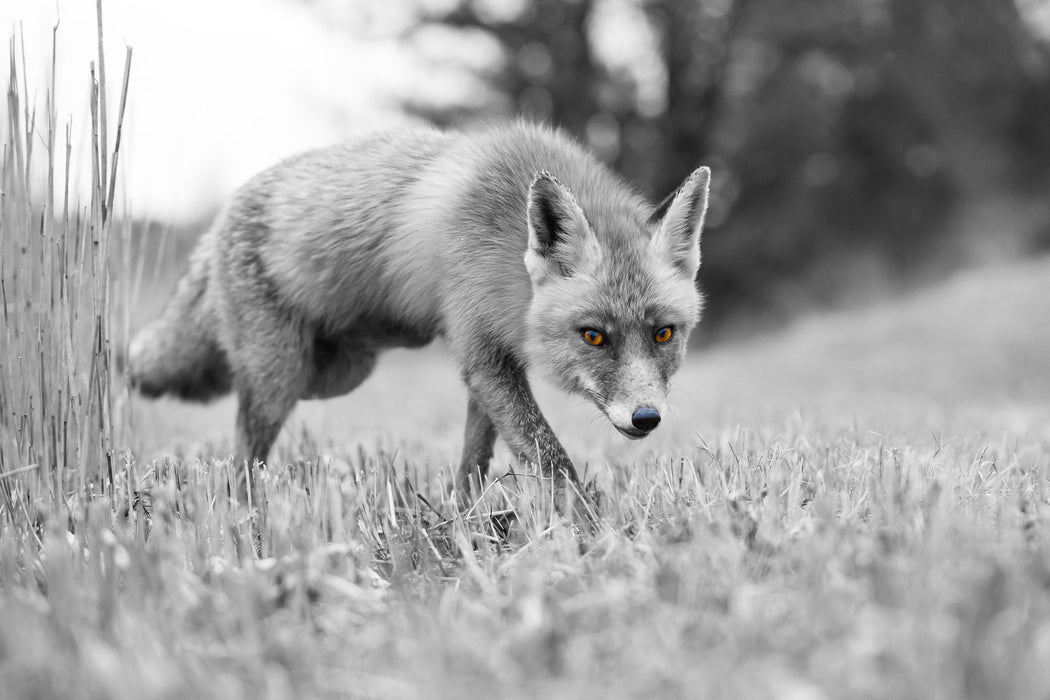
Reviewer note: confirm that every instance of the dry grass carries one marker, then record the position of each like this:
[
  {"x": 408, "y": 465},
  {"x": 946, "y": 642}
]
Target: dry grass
[{"x": 855, "y": 508}]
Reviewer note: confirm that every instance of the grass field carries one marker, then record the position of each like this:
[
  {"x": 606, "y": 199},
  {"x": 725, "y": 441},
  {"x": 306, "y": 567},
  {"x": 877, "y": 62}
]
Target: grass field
[{"x": 854, "y": 507}]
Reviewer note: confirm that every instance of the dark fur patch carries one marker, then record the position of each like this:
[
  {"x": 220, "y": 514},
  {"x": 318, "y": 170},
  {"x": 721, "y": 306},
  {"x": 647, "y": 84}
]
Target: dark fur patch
[
  {"x": 209, "y": 378},
  {"x": 212, "y": 381},
  {"x": 251, "y": 232},
  {"x": 661, "y": 209},
  {"x": 256, "y": 271},
  {"x": 391, "y": 333},
  {"x": 325, "y": 350}
]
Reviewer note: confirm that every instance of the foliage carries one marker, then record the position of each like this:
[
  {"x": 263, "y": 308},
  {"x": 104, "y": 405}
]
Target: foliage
[
  {"x": 57, "y": 404},
  {"x": 853, "y": 142}
]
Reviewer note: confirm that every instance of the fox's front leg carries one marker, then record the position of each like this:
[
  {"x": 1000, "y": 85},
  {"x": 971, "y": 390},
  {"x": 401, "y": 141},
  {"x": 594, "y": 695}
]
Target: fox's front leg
[
  {"x": 501, "y": 389},
  {"x": 479, "y": 439}
]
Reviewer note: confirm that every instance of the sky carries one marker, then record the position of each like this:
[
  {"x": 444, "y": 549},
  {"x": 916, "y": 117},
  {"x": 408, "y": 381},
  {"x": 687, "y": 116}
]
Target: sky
[{"x": 219, "y": 89}]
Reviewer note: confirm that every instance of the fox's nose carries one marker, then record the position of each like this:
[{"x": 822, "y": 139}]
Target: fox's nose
[{"x": 645, "y": 418}]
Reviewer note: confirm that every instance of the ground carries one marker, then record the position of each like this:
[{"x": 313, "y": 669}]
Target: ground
[{"x": 856, "y": 506}]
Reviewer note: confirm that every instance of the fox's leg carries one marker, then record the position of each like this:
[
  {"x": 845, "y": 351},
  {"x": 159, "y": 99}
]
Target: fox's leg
[
  {"x": 479, "y": 439},
  {"x": 501, "y": 386},
  {"x": 259, "y": 421},
  {"x": 271, "y": 374}
]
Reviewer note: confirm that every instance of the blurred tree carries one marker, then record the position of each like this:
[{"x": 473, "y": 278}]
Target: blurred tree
[
  {"x": 696, "y": 40},
  {"x": 876, "y": 139},
  {"x": 854, "y": 141},
  {"x": 549, "y": 71}
]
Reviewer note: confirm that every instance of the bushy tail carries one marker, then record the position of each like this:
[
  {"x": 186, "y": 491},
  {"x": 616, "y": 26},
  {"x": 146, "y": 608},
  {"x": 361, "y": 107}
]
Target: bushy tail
[{"x": 178, "y": 353}]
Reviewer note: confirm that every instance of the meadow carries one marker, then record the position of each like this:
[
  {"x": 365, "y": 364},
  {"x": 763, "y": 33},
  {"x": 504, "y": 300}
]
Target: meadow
[{"x": 853, "y": 506}]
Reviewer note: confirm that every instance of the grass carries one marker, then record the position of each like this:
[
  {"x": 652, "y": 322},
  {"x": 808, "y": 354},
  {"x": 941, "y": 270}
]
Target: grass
[{"x": 856, "y": 507}]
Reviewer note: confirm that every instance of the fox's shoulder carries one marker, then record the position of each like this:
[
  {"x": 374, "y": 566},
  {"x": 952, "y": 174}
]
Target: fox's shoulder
[{"x": 425, "y": 174}]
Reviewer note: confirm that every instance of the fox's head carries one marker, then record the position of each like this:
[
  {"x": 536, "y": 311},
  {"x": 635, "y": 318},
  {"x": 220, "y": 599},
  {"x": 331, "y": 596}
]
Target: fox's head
[{"x": 610, "y": 313}]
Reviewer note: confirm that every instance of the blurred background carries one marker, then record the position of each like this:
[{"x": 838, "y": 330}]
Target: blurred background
[{"x": 860, "y": 147}]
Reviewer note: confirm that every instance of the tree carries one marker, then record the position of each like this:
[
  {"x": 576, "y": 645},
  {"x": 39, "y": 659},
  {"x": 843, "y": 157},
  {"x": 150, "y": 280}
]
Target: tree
[{"x": 853, "y": 141}]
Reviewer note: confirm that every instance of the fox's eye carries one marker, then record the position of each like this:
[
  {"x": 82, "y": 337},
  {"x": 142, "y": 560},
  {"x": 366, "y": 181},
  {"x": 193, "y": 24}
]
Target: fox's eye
[
  {"x": 664, "y": 334},
  {"x": 593, "y": 337}
]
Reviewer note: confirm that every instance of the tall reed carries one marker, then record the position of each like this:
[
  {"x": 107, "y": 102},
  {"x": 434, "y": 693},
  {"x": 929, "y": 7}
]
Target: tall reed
[{"x": 61, "y": 412}]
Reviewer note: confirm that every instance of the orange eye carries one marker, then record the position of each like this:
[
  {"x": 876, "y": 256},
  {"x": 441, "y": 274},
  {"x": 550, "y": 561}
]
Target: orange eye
[
  {"x": 593, "y": 337},
  {"x": 663, "y": 335}
]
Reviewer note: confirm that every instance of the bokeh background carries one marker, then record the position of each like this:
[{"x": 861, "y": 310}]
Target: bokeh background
[
  {"x": 859, "y": 144},
  {"x": 860, "y": 147}
]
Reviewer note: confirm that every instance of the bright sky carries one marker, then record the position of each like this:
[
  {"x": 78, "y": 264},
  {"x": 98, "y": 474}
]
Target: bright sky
[{"x": 219, "y": 88}]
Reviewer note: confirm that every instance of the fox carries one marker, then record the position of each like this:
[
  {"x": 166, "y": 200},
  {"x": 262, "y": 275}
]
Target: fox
[{"x": 513, "y": 242}]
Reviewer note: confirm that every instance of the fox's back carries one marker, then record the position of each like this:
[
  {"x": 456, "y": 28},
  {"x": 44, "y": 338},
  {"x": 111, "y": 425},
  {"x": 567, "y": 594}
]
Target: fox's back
[
  {"x": 413, "y": 225},
  {"x": 330, "y": 219}
]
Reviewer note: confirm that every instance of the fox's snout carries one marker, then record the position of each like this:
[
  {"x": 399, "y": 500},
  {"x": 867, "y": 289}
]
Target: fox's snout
[{"x": 635, "y": 424}]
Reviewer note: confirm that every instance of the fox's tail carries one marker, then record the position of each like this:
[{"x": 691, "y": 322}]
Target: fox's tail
[{"x": 178, "y": 353}]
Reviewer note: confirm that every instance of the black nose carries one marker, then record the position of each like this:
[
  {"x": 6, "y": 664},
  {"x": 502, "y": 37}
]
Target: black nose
[{"x": 645, "y": 418}]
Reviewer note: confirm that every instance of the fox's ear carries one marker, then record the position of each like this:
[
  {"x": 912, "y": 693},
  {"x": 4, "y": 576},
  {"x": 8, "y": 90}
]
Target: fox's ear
[
  {"x": 680, "y": 222},
  {"x": 560, "y": 239}
]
